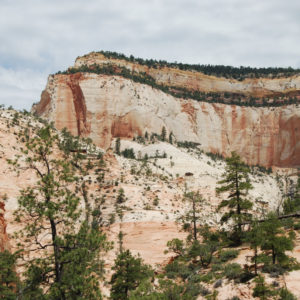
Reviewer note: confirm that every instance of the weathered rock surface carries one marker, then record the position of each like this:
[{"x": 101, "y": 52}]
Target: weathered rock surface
[
  {"x": 103, "y": 107},
  {"x": 3, "y": 235},
  {"x": 146, "y": 226},
  {"x": 193, "y": 80}
]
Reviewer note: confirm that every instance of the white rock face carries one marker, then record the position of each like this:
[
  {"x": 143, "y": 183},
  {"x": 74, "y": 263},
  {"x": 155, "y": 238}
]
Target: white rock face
[{"x": 103, "y": 107}]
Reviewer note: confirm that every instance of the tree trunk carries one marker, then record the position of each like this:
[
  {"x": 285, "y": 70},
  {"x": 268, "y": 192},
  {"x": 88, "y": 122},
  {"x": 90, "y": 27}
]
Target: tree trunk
[{"x": 273, "y": 255}]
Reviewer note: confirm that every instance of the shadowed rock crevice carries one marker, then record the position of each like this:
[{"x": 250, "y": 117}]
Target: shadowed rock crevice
[{"x": 79, "y": 104}]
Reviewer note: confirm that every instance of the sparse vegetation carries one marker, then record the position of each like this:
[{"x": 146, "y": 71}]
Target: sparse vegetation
[{"x": 179, "y": 92}]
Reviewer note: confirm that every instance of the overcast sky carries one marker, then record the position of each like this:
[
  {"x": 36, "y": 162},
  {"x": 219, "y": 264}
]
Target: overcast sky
[{"x": 39, "y": 37}]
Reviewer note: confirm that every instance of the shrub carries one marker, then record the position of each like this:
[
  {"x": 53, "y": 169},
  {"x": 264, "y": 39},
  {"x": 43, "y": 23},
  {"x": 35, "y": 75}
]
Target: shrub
[
  {"x": 261, "y": 290},
  {"x": 206, "y": 278},
  {"x": 273, "y": 270},
  {"x": 228, "y": 255},
  {"x": 233, "y": 271},
  {"x": 176, "y": 269},
  {"x": 285, "y": 294},
  {"x": 128, "y": 153}
]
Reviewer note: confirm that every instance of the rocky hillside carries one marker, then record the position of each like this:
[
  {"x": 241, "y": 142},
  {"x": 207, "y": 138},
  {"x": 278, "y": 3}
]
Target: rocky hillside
[
  {"x": 104, "y": 106},
  {"x": 152, "y": 192}
]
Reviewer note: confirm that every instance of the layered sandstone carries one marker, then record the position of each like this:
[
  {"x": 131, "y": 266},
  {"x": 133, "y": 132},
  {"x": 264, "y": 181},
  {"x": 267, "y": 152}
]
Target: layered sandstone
[
  {"x": 103, "y": 107},
  {"x": 192, "y": 80}
]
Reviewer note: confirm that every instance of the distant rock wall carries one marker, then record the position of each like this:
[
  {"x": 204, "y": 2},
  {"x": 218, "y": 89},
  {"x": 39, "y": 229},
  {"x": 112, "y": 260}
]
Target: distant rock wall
[
  {"x": 103, "y": 107},
  {"x": 191, "y": 80}
]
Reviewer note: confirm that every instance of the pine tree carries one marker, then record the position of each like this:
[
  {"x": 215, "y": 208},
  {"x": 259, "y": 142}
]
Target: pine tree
[
  {"x": 191, "y": 218},
  {"x": 292, "y": 202},
  {"x": 163, "y": 133},
  {"x": 261, "y": 289},
  {"x": 275, "y": 241},
  {"x": 171, "y": 137},
  {"x": 66, "y": 241},
  {"x": 9, "y": 282},
  {"x": 146, "y": 135},
  {"x": 129, "y": 273},
  {"x": 118, "y": 146},
  {"x": 255, "y": 238},
  {"x": 236, "y": 182}
]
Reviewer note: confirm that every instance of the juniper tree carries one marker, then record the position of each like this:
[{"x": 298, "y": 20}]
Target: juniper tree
[
  {"x": 236, "y": 182},
  {"x": 65, "y": 240}
]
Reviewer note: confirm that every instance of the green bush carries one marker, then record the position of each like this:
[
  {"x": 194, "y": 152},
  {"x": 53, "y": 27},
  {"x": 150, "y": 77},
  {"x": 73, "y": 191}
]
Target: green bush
[
  {"x": 273, "y": 270},
  {"x": 233, "y": 271},
  {"x": 177, "y": 269},
  {"x": 228, "y": 255},
  {"x": 285, "y": 294}
]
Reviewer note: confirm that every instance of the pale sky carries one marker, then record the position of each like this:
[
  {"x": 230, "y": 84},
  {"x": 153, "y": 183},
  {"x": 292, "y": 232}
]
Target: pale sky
[{"x": 39, "y": 37}]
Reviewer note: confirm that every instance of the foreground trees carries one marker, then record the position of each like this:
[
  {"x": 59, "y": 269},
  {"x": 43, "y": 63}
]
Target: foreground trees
[
  {"x": 129, "y": 273},
  {"x": 236, "y": 182},
  {"x": 64, "y": 240},
  {"x": 9, "y": 281}
]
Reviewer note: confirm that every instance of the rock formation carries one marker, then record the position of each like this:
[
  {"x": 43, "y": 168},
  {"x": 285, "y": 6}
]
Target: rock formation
[
  {"x": 105, "y": 106},
  {"x": 3, "y": 234},
  {"x": 198, "y": 81}
]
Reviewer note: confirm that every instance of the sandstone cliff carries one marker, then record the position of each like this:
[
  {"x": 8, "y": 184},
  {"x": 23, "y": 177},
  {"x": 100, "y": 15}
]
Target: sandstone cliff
[
  {"x": 193, "y": 80},
  {"x": 103, "y": 107}
]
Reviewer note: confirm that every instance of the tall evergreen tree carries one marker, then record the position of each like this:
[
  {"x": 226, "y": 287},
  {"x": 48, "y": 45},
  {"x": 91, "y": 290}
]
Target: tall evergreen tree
[
  {"x": 65, "y": 241},
  {"x": 118, "y": 146},
  {"x": 163, "y": 133},
  {"x": 236, "y": 182},
  {"x": 129, "y": 273},
  {"x": 275, "y": 240},
  {"x": 255, "y": 238},
  {"x": 191, "y": 218},
  {"x": 171, "y": 137}
]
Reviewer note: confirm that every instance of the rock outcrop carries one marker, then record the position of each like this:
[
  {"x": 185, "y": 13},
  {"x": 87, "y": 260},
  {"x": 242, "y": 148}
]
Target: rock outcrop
[
  {"x": 193, "y": 80},
  {"x": 103, "y": 107},
  {"x": 3, "y": 234}
]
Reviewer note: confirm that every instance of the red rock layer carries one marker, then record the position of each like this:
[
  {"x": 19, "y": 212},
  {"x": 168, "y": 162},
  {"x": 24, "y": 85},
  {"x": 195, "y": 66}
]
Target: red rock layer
[{"x": 3, "y": 234}]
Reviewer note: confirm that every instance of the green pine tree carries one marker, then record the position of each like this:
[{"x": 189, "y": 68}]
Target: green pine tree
[
  {"x": 255, "y": 237},
  {"x": 275, "y": 240},
  {"x": 118, "y": 146},
  {"x": 171, "y": 137},
  {"x": 9, "y": 282},
  {"x": 65, "y": 240},
  {"x": 236, "y": 182},
  {"x": 190, "y": 220},
  {"x": 163, "y": 133},
  {"x": 129, "y": 273}
]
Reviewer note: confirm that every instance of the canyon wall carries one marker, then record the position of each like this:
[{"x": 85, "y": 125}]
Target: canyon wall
[
  {"x": 192, "y": 80},
  {"x": 103, "y": 107}
]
